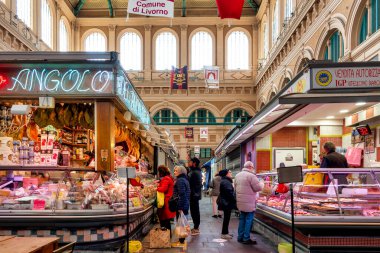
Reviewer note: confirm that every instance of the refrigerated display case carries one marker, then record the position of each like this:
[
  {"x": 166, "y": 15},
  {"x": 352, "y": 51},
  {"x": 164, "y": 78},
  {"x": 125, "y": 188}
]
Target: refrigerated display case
[{"x": 334, "y": 209}]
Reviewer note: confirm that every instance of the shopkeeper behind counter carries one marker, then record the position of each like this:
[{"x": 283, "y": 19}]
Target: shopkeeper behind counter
[{"x": 89, "y": 158}]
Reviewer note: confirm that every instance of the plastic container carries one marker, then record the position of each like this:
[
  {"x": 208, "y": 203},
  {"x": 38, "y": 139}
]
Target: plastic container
[
  {"x": 135, "y": 246},
  {"x": 285, "y": 247}
]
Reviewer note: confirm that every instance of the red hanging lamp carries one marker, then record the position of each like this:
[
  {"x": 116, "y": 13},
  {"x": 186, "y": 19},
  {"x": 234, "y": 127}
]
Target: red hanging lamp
[{"x": 230, "y": 8}]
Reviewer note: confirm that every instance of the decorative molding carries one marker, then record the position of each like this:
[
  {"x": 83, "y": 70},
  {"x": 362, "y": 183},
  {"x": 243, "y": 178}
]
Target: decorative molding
[
  {"x": 220, "y": 27},
  {"x": 184, "y": 28},
  {"x": 148, "y": 28},
  {"x": 111, "y": 28}
]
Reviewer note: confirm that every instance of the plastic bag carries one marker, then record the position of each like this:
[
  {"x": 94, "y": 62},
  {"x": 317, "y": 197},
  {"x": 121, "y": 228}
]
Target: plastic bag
[
  {"x": 160, "y": 199},
  {"x": 182, "y": 227}
]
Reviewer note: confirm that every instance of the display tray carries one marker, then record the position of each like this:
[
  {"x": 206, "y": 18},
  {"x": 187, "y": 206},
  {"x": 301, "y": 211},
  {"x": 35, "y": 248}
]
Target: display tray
[{"x": 321, "y": 221}]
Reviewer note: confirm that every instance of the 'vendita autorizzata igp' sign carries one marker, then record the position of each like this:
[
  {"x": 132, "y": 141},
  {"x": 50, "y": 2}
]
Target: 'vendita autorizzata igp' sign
[
  {"x": 158, "y": 8},
  {"x": 346, "y": 77}
]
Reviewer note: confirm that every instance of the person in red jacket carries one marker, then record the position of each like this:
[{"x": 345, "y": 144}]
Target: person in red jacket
[{"x": 166, "y": 186}]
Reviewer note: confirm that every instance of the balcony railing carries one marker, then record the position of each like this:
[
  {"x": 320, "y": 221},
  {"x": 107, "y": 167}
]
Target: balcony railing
[
  {"x": 20, "y": 30},
  {"x": 214, "y": 121}
]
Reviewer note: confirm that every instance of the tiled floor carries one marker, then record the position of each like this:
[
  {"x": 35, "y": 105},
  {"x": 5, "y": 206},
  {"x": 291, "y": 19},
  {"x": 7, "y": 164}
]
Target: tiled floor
[{"x": 210, "y": 230}]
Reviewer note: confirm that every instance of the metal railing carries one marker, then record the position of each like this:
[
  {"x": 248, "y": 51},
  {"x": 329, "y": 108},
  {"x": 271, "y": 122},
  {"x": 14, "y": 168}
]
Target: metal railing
[
  {"x": 221, "y": 121},
  {"x": 20, "y": 30}
]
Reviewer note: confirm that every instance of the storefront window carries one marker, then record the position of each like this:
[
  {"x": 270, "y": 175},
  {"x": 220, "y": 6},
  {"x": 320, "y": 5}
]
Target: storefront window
[
  {"x": 238, "y": 50},
  {"x": 166, "y": 51},
  {"x": 202, "y": 116},
  {"x": 364, "y": 27},
  {"x": 95, "y": 42},
  {"x": 24, "y": 10},
  {"x": 130, "y": 51},
  {"x": 63, "y": 37},
  {"x": 201, "y": 50}
]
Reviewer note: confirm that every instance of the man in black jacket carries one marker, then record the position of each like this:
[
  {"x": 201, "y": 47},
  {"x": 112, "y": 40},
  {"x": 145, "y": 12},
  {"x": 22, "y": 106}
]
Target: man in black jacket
[
  {"x": 335, "y": 160},
  {"x": 195, "y": 179}
]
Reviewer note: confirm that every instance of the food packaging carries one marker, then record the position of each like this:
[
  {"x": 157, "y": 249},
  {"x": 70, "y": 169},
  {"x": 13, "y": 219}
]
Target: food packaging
[
  {"x": 48, "y": 158},
  {"x": 44, "y": 140},
  {"x": 54, "y": 157},
  {"x": 50, "y": 140},
  {"x": 39, "y": 204},
  {"x": 29, "y": 181}
]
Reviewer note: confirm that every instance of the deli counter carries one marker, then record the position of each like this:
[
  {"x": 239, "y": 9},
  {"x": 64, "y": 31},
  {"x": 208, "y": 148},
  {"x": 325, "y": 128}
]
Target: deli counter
[{"x": 334, "y": 209}]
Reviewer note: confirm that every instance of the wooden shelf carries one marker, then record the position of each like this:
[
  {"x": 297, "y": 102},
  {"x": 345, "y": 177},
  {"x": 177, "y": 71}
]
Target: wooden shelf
[
  {"x": 74, "y": 145},
  {"x": 75, "y": 130}
]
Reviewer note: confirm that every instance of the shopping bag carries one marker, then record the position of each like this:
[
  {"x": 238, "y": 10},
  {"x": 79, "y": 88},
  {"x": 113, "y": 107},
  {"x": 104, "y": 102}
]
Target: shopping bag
[
  {"x": 182, "y": 226},
  {"x": 160, "y": 199},
  {"x": 354, "y": 156},
  {"x": 173, "y": 203},
  {"x": 159, "y": 238},
  {"x": 314, "y": 179}
]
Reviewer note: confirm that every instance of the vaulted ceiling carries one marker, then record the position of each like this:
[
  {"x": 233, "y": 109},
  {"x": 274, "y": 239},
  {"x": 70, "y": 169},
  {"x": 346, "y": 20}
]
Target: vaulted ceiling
[{"x": 118, "y": 8}]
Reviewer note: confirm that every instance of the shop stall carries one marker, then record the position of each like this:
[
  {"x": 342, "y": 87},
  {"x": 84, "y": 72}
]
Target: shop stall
[
  {"x": 336, "y": 209},
  {"x": 68, "y": 122}
]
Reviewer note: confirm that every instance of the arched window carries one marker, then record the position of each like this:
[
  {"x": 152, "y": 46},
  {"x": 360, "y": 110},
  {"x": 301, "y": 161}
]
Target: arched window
[
  {"x": 375, "y": 15},
  {"x": 63, "y": 37},
  {"x": 130, "y": 51},
  {"x": 95, "y": 42},
  {"x": 235, "y": 115},
  {"x": 265, "y": 42},
  {"x": 166, "y": 116},
  {"x": 202, "y": 116},
  {"x": 288, "y": 9},
  {"x": 24, "y": 11},
  {"x": 201, "y": 50},
  {"x": 334, "y": 47},
  {"x": 166, "y": 51},
  {"x": 363, "y": 26},
  {"x": 238, "y": 50},
  {"x": 275, "y": 26},
  {"x": 46, "y": 23}
]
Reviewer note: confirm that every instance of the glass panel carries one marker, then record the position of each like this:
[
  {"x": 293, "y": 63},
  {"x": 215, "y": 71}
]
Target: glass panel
[
  {"x": 201, "y": 50},
  {"x": 288, "y": 9},
  {"x": 46, "y": 23},
  {"x": 192, "y": 117},
  {"x": 364, "y": 27},
  {"x": 63, "y": 37},
  {"x": 165, "y": 115},
  {"x": 156, "y": 117},
  {"x": 166, "y": 51},
  {"x": 201, "y": 115},
  {"x": 130, "y": 51},
  {"x": 375, "y": 13},
  {"x": 275, "y": 28},
  {"x": 266, "y": 41},
  {"x": 23, "y": 11},
  {"x": 95, "y": 42},
  {"x": 175, "y": 118},
  {"x": 237, "y": 51}
]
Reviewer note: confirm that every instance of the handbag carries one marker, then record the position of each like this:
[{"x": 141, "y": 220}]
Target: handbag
[
  {"x": 160, "y": 199},
  {"x": 173, "y": 203},
  {"x": 159, "y": 238}
]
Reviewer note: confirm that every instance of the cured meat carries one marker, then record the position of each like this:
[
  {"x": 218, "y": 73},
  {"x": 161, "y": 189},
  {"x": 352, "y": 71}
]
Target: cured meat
[
  {"x": 32, "y": 131},
  {"x": 67, "y": 116},
  {"x": 60, "y": 114}
]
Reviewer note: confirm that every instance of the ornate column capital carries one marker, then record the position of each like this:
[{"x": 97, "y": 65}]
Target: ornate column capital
[
  {"x": 148, "y": 28},
  {"x": 111, "y": 28},
  {"x": 255, "y": 26},
  {"x": 184, "y": 27},
  {"x": 220, "y": 27}
]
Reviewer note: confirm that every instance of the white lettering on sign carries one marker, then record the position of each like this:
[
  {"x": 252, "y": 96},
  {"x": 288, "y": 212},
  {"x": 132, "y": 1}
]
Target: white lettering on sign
[{"x": 55, "y": 80}]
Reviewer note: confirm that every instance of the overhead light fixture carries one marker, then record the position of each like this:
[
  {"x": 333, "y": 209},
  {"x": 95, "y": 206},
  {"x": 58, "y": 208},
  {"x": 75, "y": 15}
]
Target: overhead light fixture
[
  {"x": 330, "y": 117},
  {"x": 360, "y": 103},
  {"x": 344, "y": 111},
  {"x": 266, "y": 114}
]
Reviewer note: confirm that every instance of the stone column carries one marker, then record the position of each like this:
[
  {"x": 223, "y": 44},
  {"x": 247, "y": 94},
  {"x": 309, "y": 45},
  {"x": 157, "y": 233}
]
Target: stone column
[
  {"x": 148, "y": 52},
  {"x": 56, "y": 37},
  {"x": 254, "y": 48},
  {"x": 36, "y": 20},
  {"x": 111, "y": 38},
  {"x": 369, "y": 23},
  {"x": 220, "y": 49},
  {"x": 77, "y": 41},
  {"x": 183, "y": 46}
]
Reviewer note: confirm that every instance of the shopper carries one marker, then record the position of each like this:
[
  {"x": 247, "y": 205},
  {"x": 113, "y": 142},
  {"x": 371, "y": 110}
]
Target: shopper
[
  {"x": 246, "y": 185},
  {"x": 333, "y": 159},
  {"x": 182, "y": 189},
  {"x": 226, "y": 201},
  {"x": 214, "y": 193},
  {"x": 195, "y": 179},
  {"x": 166, "y": 186}
]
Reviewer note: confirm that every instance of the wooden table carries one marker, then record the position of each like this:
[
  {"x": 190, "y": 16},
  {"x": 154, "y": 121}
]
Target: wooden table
[{"x": 29, "y": 245}]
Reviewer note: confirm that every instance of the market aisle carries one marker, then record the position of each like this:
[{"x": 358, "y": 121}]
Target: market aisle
[{"x": 210, "y": 230}]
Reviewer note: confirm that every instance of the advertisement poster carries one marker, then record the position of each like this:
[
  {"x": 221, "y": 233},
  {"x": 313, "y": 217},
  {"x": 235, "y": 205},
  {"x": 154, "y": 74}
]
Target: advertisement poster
[
  {"x": 189, "y": 133},
  {"x": 212, "y": 77},
  {"x": 370, "y": 142},
  {"x": 203, "y": 132},
  {"x": 178, "y": 78},
  {"x": 157, "y": 8}
]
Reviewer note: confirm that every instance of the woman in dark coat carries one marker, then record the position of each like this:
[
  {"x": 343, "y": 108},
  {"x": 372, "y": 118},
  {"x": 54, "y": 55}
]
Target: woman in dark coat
[
  {"x": 182, "y": 189},
  {"x": 227, "y": 201},
  {"x": 166, "y": 186}
]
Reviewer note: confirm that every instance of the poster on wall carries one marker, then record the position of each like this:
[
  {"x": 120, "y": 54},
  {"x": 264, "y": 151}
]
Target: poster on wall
[
  {"x": 212, "y": 77},
  {"x": 178, "y": 78},
  {"x": 369, "y": 146},
  {"x": 204, "y": 132},
  {"x": 356, "y": 137},
  {"x": 189, "y": 132},
  {"x": 285, "y": 157}
]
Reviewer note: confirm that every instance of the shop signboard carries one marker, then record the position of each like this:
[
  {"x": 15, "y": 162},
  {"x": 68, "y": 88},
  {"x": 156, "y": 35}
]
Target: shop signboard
[
  {"x": 301, "y": 85},
  {"x": 346, "y": 77},
  {"x": 157, "y": 8},
  {"x": 59, "y": 79}
]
